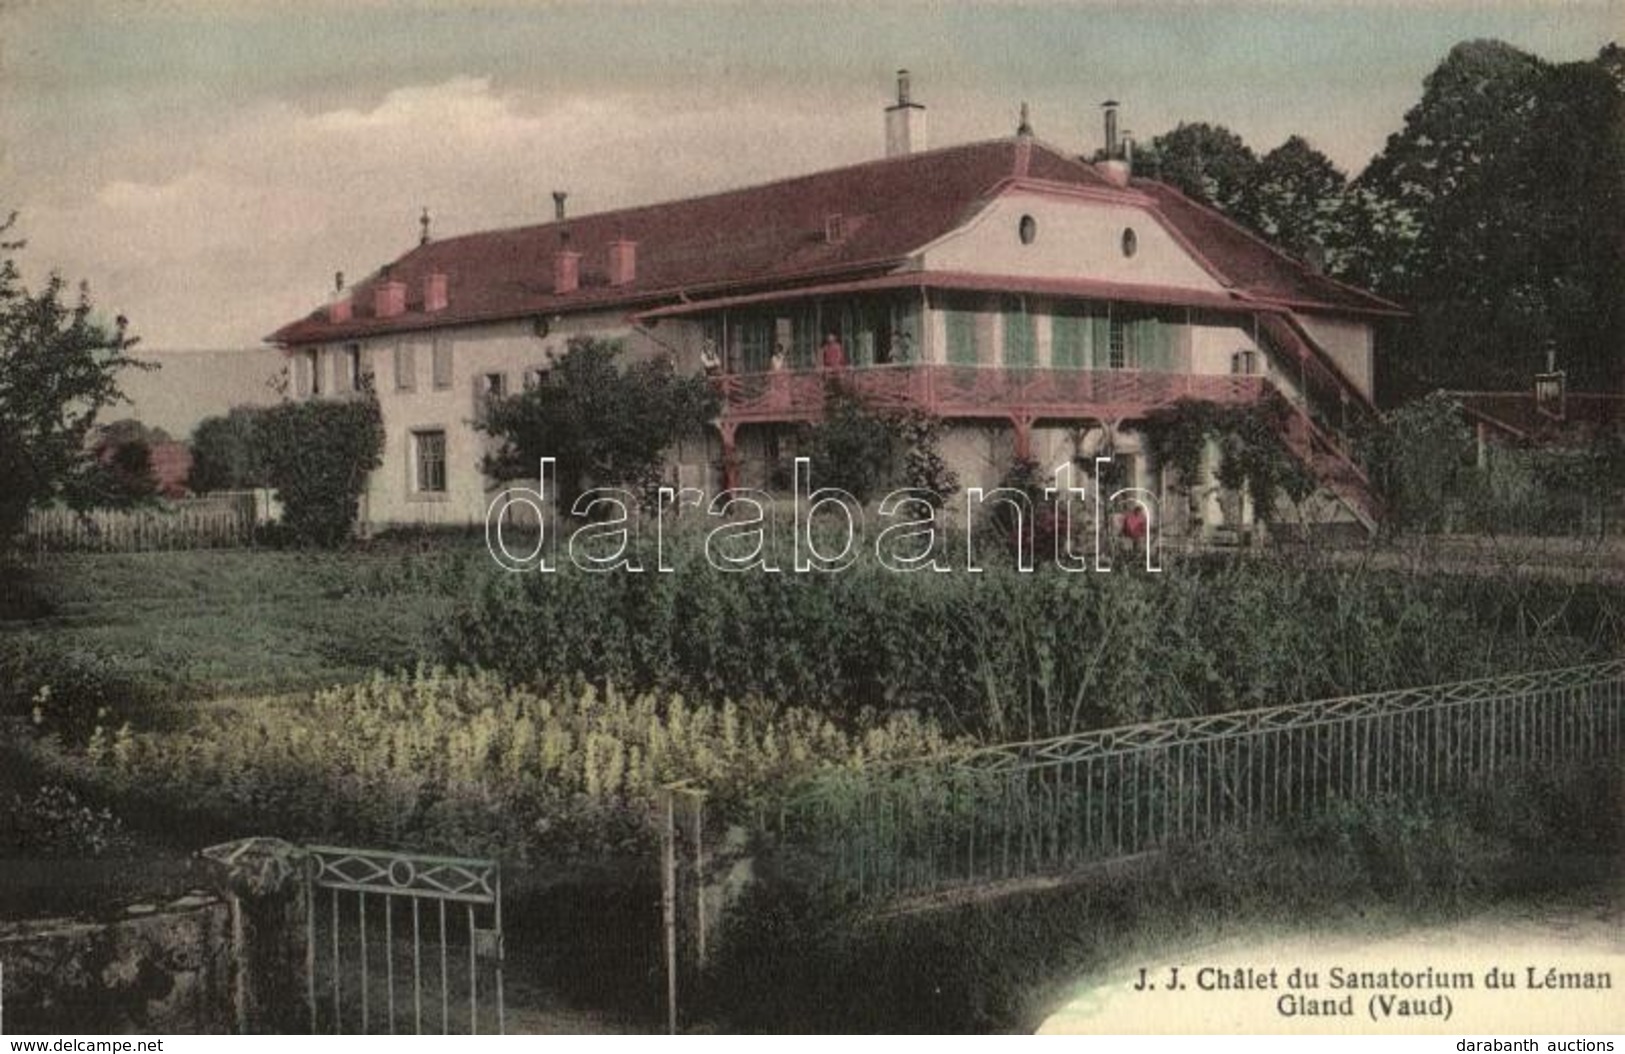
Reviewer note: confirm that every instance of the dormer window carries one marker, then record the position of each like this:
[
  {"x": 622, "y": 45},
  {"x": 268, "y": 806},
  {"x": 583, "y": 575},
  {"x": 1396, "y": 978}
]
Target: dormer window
[{"x": 834, "y": 228}]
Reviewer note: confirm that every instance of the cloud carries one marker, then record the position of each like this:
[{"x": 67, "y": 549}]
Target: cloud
[{"x": 240, "y": 230}]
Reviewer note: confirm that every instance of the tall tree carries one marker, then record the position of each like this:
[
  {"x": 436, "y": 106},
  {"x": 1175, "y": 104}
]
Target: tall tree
[
  {"x": 1206, "y": 162},
  {"x": 1505, "y": 189},
  {"x": 1295, "y": 199},
  {"x": 604, "y": 424},
  {"x": 59, "y": 369}
]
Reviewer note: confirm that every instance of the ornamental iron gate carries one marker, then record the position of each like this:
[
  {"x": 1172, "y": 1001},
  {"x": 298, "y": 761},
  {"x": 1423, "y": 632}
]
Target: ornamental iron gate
[{"x": 402, "y": 943}]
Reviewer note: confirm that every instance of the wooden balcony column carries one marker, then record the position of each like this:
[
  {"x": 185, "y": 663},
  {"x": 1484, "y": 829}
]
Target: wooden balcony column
[
  {"x": 730, "y": 456},
  {"x": 1023, "y": 425}
]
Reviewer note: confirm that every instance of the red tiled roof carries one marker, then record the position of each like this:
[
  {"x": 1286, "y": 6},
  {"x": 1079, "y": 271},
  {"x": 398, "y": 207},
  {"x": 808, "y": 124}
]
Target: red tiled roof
[
  {"x": 171, "y": 466},
  {"x": 1515, "y": 414},
  {"x": 1251, "y": 264},
  {"x": 774, "y": 235}
]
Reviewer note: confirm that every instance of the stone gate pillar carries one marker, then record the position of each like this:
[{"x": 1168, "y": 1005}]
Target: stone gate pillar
[{"x": 263, "y": 881}]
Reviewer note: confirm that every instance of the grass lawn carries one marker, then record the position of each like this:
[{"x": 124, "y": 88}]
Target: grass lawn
[{"x": 191, "y": 625}]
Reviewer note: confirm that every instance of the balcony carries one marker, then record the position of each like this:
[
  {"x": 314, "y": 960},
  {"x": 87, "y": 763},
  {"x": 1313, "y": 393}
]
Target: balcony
[{"x": 978, "y": 391}]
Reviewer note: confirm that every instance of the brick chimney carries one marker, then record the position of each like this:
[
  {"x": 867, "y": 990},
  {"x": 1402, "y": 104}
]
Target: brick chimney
[
  {"x": 905, "y": 121},
  {"x": 623, "y": 261},
  {"x": 434, "y": 291},
  {"x": 389, "y": 299},
  {"x": 566, "y": 267},
  {"x": 1116, "y": 168},
  {"x": 339, "y": 309}
]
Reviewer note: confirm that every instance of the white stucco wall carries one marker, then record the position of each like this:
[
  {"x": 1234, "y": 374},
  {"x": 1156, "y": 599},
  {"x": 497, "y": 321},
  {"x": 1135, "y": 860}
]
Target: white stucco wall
[
  {"x": 1075, "y": 238},
  {"x": 508, "y": 348},
  {"x": 1349, "y": 343}
]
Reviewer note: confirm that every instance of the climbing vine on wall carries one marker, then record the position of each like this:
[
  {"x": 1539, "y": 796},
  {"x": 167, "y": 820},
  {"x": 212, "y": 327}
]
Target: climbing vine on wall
[{"x": 1253, "y": 455}]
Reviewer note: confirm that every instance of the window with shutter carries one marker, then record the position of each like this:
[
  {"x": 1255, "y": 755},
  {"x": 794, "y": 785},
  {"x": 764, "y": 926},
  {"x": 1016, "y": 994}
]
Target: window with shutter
[
  {"x": 406, "y": 367},
  {"x": 442, "y": 363}
]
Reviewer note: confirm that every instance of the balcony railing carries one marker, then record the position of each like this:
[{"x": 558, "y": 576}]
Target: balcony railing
[{"x": 978, "y": 391}]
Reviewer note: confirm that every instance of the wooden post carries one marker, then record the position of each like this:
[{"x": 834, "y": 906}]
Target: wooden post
[
  {"x": 668, "y": 899},
  {"x": 696, "y": 834}
]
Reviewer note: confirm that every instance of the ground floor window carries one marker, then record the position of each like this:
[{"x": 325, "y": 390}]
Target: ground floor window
[{"x": 429, "y": 462}]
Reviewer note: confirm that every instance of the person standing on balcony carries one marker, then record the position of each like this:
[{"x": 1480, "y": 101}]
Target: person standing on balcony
[
  {"x": 780, "y": 383},
  {"x": 832, "y": 355},
  {"x": 709, "y": 361}
]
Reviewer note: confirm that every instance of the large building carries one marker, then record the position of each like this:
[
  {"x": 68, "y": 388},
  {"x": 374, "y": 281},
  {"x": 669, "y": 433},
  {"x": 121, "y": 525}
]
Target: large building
[{"x": 1040, "y": 304}]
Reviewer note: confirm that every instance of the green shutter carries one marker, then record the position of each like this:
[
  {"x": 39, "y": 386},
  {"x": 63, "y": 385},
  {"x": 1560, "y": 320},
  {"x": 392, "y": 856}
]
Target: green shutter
[
  {"x": 1156, "y": 344},
  {"x": 1019, "y": 345},
  {"x": 1069, "y": 342},
  {"x": 961, "y": 337}
]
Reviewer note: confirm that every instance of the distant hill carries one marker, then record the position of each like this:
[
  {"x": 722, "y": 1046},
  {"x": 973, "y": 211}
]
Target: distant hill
[{"x": 194, "y": 384}]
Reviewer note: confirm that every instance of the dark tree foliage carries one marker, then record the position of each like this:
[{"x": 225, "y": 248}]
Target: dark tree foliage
[
  {"x": 1209, "y": 163},
  {"x": 226, "y": 453},
  {"x": 59, "y": 369},
  {"x": 865, "y": 450},
  {"x": 1295, "y": 200},
  {"x": 127, "y": 430},
  {"x": 317, "y": 454},
  {"x": 123, "y": 471},
  {"x": 1496, "y": 215},
  {"x": 605, "y": 424},
  {"x": 1506, "y": 181},
  {"x": 123, "y": 474},
  {"x": 853, "y": 448}
]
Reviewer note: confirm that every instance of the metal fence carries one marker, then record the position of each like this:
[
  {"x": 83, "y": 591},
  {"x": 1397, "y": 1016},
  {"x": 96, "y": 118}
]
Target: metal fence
[
  {"x": 1029, "y": 809},
  {"x": 213, "y": 521},
  {"x": 403, "y": 943}
]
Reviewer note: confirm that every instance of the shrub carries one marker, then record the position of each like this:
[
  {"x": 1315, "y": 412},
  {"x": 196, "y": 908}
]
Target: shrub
[
  {"x": 226, "y": 453},
  {"x": 864, "y": 451},
  {"x": 65, "y": 689},
  {"x": 54, "y": 822},
  {"x": 1013, "y": 655},
  {"x": 318, "y": 453}
]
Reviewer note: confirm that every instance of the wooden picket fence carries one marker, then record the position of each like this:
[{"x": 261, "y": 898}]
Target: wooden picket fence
[{"x": 215, "y": 521}]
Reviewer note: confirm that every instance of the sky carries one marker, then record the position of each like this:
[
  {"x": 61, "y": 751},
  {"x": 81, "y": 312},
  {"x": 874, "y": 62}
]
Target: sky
[{"x": 207, "y": 165}]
